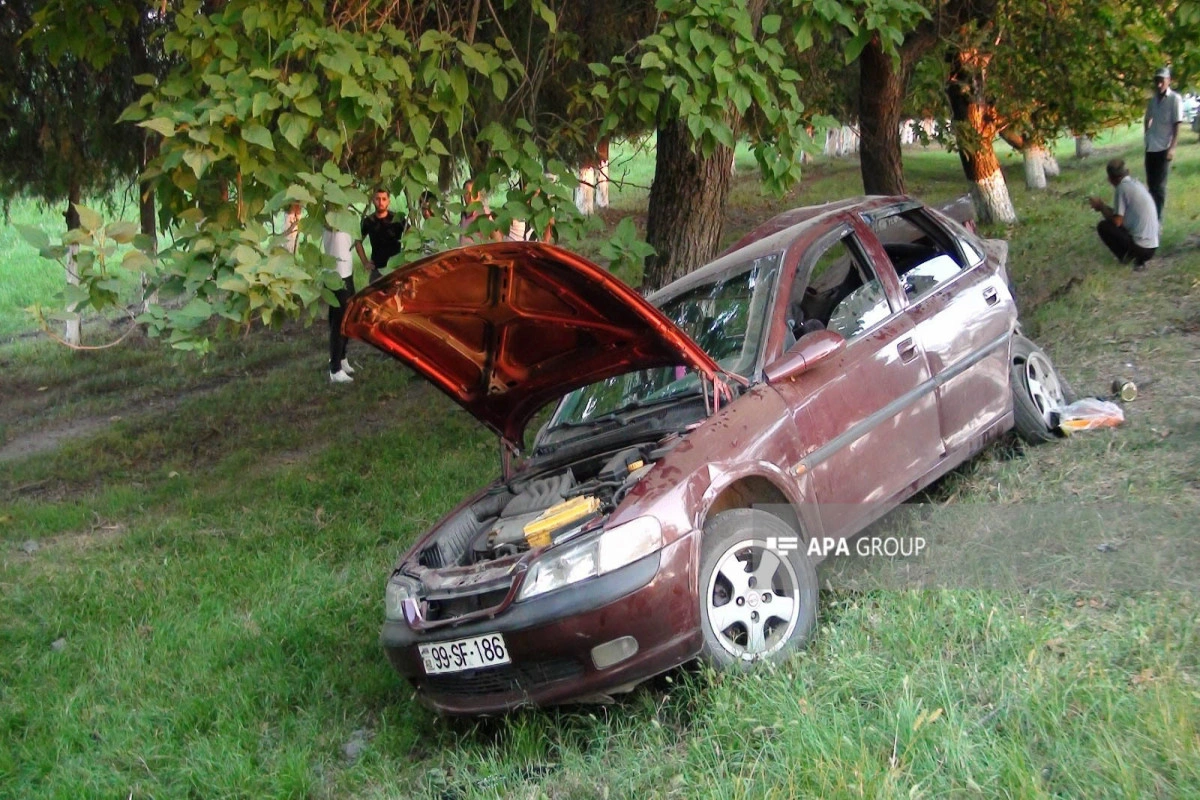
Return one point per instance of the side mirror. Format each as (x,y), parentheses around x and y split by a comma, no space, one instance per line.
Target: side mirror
(810,350)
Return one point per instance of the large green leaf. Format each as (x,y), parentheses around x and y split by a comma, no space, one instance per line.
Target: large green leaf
(160,125)
(257,134)
(35,236)
(89,220)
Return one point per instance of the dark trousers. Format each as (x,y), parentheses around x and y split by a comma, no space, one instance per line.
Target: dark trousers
(1157,167)
(1121,243)
(337,342)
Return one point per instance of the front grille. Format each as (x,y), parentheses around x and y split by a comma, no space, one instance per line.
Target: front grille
(461,605)
(503,679)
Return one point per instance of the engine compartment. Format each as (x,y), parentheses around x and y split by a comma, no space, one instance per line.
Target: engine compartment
(540,509)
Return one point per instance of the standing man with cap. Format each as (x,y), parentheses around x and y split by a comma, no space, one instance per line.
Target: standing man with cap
(1164,114)
(384,230)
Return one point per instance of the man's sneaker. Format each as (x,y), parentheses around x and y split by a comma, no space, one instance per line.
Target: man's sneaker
(346,368)
(1139,266)
(340,377)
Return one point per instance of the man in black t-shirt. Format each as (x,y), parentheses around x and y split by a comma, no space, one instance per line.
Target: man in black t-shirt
(383,229)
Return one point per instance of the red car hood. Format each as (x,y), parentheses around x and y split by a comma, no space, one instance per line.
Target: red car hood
(509,327)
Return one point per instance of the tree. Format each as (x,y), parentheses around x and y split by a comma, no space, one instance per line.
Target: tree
(62,88)
(712,72)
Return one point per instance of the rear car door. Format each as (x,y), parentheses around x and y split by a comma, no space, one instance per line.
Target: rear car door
(868,415)
(964,314)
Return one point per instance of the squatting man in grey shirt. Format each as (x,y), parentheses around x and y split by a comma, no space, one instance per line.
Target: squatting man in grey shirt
(1130,226)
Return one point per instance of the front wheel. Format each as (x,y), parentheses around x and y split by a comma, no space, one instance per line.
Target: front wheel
(1037,392)
(758,589)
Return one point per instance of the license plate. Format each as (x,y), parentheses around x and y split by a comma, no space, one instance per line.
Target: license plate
(477,651)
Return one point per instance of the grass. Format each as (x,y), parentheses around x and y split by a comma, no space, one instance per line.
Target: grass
(192,557)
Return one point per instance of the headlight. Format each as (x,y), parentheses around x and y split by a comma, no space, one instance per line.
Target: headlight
(612,549)
(393,599)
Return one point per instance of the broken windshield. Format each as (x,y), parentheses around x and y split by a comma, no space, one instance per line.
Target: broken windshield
(726,316)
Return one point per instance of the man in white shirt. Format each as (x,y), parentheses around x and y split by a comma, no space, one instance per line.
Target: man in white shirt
(1164,115)
(1130,226)
(338,244)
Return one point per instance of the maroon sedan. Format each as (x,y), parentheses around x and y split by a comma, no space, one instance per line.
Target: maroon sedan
(832,363)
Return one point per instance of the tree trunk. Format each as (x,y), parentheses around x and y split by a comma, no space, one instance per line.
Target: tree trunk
(146,216)
(881,100)
(602,174)
(1084,146)
(71,330)
(687,201)
(1050,164)
(975,127)
(585,192)
(1035,167)
(688,195)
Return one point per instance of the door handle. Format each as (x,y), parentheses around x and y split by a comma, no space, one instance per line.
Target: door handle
(907,350)
(991,296)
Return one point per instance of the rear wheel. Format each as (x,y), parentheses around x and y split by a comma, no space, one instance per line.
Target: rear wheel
(1037,392)
(758,589)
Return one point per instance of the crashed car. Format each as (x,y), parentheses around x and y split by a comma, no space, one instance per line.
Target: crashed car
(833,362)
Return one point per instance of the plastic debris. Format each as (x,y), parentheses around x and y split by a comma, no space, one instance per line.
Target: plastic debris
(1087,414)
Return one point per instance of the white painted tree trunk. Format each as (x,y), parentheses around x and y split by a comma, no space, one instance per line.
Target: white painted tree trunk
(1084,146)
(71,332)
(1050,164)
(585,193)
(841,141)
(602,185)
(992,201)
(1035,167)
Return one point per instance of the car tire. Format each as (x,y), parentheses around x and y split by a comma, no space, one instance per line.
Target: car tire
(1037,391)
(758,597)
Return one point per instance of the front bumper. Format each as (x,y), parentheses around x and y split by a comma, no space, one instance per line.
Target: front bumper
(550,639)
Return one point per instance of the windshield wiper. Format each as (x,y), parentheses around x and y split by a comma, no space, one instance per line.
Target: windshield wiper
(618,414)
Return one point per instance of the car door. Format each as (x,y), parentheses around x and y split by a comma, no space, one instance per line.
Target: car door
(867,417)
(964,315)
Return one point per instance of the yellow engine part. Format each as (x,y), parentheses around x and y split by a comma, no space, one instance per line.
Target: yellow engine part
(538,532)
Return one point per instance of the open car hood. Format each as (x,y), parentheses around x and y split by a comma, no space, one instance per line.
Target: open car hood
(506,328)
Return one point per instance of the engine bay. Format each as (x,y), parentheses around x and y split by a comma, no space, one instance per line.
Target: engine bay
(541,509)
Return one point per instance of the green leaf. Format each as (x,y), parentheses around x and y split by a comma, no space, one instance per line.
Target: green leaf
(499,85)
(352,88)
(420,127)
(473,58)
(35,236)
(89,220)
(122,231)
(803,37)
(343,220)
(245,254)
(856,45)
(257,134)
(294,128)
(195,311)
(547,15)
(770,24)
(260,104)
(299,193)
(145,79)
(309,105)
(652,61)
(136,261)
(160,125)
(198,160)
(330,140)
(458,82)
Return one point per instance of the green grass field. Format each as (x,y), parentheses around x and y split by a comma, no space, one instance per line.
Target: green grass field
(193,554)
